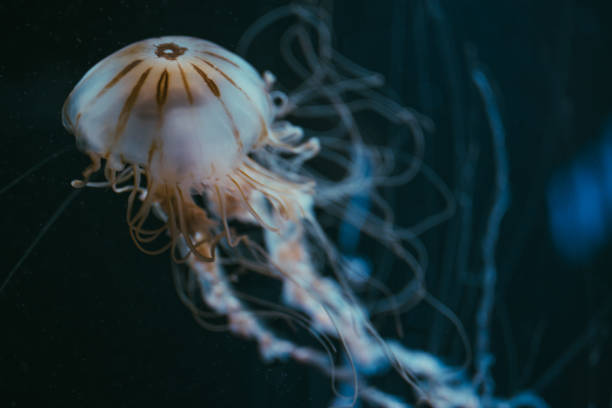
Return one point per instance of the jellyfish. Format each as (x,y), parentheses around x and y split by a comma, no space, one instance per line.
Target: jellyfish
(185,115)
(216,175)
(173,120)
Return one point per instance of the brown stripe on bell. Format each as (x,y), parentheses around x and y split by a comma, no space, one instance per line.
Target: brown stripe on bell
(162,89)
(211,84)
(129,104)
(185,83)
(221,57)
(118,77)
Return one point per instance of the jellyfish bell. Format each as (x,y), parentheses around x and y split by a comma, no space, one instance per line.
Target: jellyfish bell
(188,116)
(141,99)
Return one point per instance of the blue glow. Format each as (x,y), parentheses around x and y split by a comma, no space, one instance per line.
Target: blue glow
(580,202)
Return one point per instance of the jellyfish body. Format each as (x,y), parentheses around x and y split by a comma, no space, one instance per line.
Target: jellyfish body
(185,113)
(174,118)
(178,117)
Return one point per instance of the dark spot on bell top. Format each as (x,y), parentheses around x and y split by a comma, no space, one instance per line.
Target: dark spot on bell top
(169,51)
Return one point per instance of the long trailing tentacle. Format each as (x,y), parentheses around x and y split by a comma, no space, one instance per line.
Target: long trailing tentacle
(60,209)
(331,310)
(35,167)
(218,294)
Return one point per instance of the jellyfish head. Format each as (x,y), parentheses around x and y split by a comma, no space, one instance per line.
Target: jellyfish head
(176,116)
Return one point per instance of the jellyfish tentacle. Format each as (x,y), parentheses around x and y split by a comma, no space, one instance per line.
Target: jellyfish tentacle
(96,163)
(217,293)
(198,225)
(136,221)
(41,233)
(250,208)
(223,215)
(333,313)
(33,168)
(286,196)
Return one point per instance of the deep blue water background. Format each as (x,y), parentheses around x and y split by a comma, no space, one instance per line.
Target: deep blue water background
(90,321)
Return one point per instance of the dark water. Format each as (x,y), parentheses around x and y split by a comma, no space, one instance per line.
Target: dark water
(88,320)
